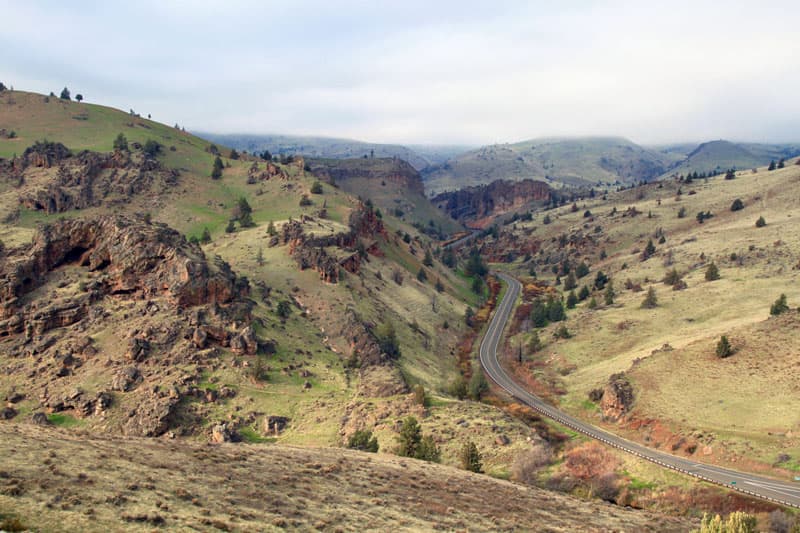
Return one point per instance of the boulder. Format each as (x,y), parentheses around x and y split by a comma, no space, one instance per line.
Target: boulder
(199,338)
(222,433)
(152,417)
(617,397)
(273,425)
(126,379)
(40,419)
(245,342)
(138,349)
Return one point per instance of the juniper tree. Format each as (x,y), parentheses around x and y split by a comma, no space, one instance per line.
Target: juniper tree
(470,457)
(712,272)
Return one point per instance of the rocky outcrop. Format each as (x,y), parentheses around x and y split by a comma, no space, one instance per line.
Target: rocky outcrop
(152,417)
(132,258)
(386,169)
(617,397)
(328,254)
(472,204)
(91,178)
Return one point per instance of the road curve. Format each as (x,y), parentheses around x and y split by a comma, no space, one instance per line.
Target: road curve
(782,492)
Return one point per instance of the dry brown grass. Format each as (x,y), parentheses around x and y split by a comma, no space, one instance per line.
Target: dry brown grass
(60,481)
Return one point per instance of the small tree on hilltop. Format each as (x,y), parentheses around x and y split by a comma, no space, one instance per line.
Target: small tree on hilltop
(780,306)
(284,309)
(650,300)
(737,205)
(470,457)
(79,98)
(771,165)
(65,94)
(363,440)
(724,347)
(781,163)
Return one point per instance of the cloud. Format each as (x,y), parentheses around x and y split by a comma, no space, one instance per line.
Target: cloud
(413,72)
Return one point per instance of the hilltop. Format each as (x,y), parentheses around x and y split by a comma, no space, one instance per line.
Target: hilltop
(558,161)
(419,156)
(595,162)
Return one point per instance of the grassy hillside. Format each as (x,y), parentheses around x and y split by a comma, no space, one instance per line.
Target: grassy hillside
(578,161)
(719,156)
(197,202)
(55,480)
(742,410)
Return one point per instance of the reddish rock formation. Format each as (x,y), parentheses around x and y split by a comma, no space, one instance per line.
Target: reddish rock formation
(130,258)
(617,397)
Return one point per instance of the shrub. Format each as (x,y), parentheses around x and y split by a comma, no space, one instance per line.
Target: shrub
(234,154)
(609,293)
(231,227)
(271,231)
(419,395)
(779,307)
(583,293)
(364,441)
(760,223)
(572,300)
(121,143)
(205,238)
(738,522)
(529,463)
(562,332)
(284,309)
(428,450)
(648,251)
(470,457)
(682,212)
(410,438)
(386,337)
(737,205)
(316,188)
(151,148)
(712,272)
(478,385)
(581,270)
(672,277)
(535,344)
(458,388)
(650,301)
(258,370)
(65,94)
(422,276)
(600,280)
(546,220)
(724,347)
(305,201)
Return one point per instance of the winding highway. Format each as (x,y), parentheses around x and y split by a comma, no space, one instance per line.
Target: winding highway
(777,491)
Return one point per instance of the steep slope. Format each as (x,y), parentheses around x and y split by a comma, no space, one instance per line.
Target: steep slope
(578,161)
(390,183)
(476,206)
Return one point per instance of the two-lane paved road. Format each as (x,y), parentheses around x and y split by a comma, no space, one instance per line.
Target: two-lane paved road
(783,492)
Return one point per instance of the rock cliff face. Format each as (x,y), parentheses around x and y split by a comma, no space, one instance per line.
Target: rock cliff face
(474,204)
(389,169)
(86,180)
(141,260)
(167,309)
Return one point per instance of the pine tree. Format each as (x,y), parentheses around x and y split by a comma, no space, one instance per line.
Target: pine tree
(470,457)
(760,223)
(781,163)
(260,257)
(771,165)
(569,282)
(231,227)
(205,238)
(724,347)
(572,300)
(581,270)
(65,94)
(428,261)
(121,143)
(609,293)
(216,171)
(422,276)
(779,307)
(271,231)
(712,272)
(583,293)
(410,438)
(650,301)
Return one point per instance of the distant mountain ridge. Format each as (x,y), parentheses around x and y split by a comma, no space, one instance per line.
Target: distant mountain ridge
(591,161)
(419,156)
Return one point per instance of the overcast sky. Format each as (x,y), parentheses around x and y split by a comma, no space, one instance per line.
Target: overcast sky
(423,71)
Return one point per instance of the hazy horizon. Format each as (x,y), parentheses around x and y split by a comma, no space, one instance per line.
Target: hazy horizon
(423,73)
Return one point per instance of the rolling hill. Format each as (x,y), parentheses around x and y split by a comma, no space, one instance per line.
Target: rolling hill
(419,156)
(719,156)
(558,161)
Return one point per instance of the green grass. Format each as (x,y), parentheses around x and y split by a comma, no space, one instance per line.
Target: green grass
(251,436)
(63,420)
